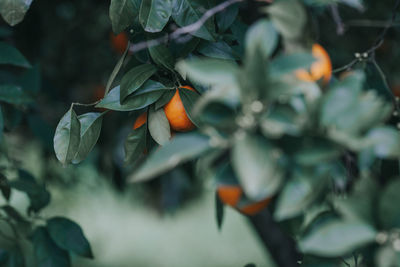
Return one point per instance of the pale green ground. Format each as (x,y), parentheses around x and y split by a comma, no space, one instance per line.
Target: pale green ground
(125,233)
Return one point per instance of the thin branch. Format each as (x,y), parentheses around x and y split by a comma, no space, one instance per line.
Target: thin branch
(392,20)
(87,105)
(337,19)
(191,28)
(383,77)
(370,53)
(345,262)
(370,23)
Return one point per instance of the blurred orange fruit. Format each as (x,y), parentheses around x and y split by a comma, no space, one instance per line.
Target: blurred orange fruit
(231,195)
(254,208)
(176,114)
(142,119)
(119,42)
(321,69)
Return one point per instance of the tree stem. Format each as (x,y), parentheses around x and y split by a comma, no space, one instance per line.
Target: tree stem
(281,247)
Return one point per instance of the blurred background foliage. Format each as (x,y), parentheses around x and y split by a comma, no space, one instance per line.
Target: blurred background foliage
(164,222)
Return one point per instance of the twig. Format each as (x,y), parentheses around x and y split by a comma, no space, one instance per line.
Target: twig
(355,260)
(337,19)
(191,28)
(345,262)
(370,23)
(370,53)
(383,77)
(281,247)
(86,105)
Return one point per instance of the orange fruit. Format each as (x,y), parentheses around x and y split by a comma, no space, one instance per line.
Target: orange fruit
(232,194)
(321,69)
(229,194)
(176,114)
(119,42)
(254,208)
(142,119)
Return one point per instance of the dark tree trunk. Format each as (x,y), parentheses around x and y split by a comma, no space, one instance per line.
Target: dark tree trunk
(281,247)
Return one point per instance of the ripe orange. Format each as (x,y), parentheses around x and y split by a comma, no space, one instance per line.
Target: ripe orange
(142,119)
(232,194)
(321,69)
(254,208)
(229,194)
(176,114)
(119,42)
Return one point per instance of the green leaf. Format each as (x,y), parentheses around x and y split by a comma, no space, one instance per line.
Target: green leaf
(255,162)
(358,4)
(122,13)
(162,56)
(186,12)
(67,137)
(297,195)
(1,125)
(348,109)
(180,149)
(47,253)
(5,187)
(282,120)
(41,129)
(183,49)
(68,235)
(189,99)
(337,238)
(239,30)
(289,17)
(14,214)
(254,77)
(208,71)
(154,14)
(286,64)
(164,99)
(389,213)
(4,256)
(135,78)
(159,126)
(385,141)
(90,132)
(14,95)
(227,17)
(149,94)
(220,50)
(386,256)
(151,86)
(135,143)
(316,151)
(263,37)
(13,11)
(10,55)
(30,80)
(38,195)
(15,258)
(361,203)
(116,69)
